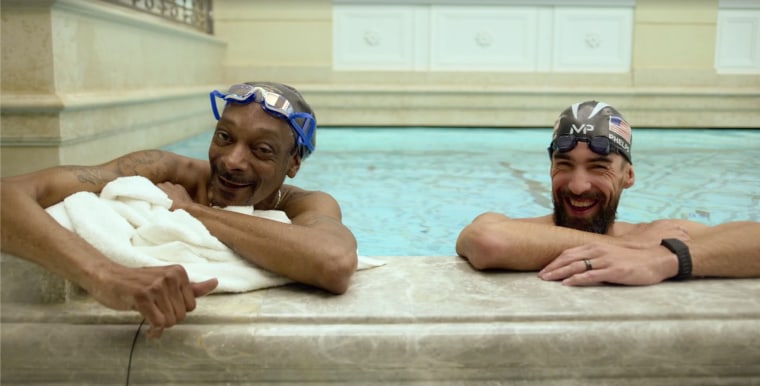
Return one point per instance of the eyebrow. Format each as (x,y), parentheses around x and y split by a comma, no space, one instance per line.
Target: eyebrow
(601,158)
(227,122)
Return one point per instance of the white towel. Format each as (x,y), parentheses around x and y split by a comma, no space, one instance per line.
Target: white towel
(130,222)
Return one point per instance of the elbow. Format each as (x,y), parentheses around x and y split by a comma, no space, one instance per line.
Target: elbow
(483,247)
(335,273)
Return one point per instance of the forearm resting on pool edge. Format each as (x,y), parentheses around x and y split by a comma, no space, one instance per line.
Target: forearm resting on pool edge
(519,245)
(727,250)
(30,233)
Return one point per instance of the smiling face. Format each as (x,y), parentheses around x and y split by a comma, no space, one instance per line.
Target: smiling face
(250,155)
(586,188)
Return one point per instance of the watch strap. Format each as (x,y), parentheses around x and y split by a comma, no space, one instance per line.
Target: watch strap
(684,257)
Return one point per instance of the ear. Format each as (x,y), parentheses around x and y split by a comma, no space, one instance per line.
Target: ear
(293,165)
(628,176)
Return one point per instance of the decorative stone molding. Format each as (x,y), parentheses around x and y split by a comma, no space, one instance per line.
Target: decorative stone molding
(570,3)
(491,37)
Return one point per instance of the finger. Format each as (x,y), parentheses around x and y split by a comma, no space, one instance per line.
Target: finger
(164,304)
(174,291)
(572,268)
(599,273)
(552,272)
(560,261)
(158,320)
(587,278)
(177,300)
(163,186)
(150,312)
(565,258)
(204,287)
(194,290)
(188,295)
(154,332)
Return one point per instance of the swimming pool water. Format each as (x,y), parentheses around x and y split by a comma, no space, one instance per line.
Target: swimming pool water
(409,191)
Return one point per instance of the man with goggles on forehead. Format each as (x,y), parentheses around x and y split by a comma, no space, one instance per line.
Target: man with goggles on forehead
(302,122)
(581,243)
(264,130)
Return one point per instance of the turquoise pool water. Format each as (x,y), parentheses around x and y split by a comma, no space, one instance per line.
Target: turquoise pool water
(409,191)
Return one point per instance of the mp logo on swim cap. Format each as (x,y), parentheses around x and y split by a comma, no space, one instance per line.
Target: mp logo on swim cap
(583,129)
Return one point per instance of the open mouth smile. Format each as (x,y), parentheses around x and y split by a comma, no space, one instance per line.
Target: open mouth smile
(580,206)
(233,185)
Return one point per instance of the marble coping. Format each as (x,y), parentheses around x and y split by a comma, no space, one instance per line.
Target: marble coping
(422,320)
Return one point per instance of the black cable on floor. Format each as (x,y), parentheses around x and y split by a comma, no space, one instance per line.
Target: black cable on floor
(132,349)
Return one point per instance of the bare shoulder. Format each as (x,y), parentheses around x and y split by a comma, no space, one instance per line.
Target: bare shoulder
(622,228)
(298,202)
(546,220)
(494,217)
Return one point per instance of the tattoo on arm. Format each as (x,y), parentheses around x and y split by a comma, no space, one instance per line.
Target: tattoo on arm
(139,163)
(145,163)
(88,175)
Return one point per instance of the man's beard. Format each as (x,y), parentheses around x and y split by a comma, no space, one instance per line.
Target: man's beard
(599,223)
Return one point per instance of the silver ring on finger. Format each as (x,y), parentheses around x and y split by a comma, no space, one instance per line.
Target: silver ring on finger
(587,262)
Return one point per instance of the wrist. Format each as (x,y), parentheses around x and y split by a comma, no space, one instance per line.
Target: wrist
(96,272)
(681,250)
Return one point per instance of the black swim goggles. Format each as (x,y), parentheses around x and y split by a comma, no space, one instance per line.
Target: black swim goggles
(275,105)
(565,143)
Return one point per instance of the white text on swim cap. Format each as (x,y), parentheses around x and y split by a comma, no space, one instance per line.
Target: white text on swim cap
(620,142)
(585,128)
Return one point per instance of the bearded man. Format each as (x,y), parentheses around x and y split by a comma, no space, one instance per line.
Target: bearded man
(581,243)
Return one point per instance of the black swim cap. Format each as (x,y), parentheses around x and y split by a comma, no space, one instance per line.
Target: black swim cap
(585,121)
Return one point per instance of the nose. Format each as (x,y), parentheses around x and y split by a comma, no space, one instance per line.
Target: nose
(236,159)
(579,182)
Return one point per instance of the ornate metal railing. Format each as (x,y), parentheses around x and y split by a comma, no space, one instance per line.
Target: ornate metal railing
(195,13)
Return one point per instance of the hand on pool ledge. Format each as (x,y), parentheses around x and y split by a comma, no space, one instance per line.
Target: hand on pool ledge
(162,295)
(581,243)
(599,263)
(262,137)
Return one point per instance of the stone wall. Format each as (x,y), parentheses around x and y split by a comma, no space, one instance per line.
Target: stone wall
(669,76)
(85,81)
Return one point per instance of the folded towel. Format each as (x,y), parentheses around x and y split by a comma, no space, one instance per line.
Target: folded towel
(130,222)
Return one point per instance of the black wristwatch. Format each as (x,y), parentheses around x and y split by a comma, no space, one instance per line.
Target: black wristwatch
(684,258)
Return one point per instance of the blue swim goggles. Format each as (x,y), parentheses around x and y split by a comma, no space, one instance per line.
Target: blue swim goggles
(274,104)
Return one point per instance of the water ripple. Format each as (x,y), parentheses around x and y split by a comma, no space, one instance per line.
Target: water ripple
(409,191)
